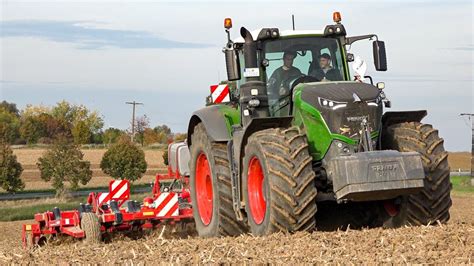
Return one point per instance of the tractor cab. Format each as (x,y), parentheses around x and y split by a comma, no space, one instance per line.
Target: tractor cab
(281,60)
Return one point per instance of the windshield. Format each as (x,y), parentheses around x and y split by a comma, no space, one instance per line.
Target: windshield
(317,57)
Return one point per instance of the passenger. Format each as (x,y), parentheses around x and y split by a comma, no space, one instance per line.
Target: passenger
(279,81)
(326,72)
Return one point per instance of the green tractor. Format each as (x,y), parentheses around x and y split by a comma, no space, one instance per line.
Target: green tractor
(299,132)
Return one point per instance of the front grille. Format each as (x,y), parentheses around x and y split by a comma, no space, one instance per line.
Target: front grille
(347,120)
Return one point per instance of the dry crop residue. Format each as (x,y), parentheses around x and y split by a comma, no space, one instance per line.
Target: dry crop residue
(452,243)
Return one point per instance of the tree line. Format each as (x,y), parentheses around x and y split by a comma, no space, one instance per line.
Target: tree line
(65,126)
(38,124)
(64,166)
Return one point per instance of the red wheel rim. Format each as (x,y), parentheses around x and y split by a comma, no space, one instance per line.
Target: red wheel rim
(204,189)
(256,197)
(391,208)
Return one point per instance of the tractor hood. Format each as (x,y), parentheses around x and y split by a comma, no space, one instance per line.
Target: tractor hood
(342,92)
(344,105)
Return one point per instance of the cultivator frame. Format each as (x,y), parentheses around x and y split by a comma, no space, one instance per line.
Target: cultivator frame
(170,204)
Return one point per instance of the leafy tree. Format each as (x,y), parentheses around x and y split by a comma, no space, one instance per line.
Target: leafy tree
(9,125)
(124,160)
(112,135)
(98,138)
(32,129)
(141,123)
(64,163)
(79,118)
(150,136)
(55,128)
(10,169)
(10,107)
(34,110)
(163,128)
(180,137)
(64,111)
(81,133)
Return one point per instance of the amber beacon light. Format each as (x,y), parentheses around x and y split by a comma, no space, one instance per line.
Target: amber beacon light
(336,16)
(227,23)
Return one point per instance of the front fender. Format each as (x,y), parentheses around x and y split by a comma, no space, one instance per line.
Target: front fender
(391,118)
(217,120)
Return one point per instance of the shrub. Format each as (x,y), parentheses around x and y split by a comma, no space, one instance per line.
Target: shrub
(63,163)
(124,160)
(10,169)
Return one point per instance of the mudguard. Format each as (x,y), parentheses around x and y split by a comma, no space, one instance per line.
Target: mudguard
(214,121)
(391,118)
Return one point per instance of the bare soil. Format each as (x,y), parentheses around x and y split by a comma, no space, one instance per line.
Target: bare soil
(452,243)
(460,161)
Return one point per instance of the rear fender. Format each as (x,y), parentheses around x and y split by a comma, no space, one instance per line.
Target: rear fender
(214,121)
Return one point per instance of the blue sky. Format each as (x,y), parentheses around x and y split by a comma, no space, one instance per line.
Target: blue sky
(103,53)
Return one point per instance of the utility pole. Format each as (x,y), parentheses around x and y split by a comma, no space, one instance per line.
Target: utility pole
(133,117)
(470,117)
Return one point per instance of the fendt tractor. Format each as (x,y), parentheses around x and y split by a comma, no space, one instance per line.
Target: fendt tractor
(299,131)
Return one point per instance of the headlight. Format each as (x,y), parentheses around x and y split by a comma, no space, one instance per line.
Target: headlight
(331,104)
(254,102)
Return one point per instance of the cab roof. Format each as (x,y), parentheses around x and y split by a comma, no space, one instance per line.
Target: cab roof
(283,33)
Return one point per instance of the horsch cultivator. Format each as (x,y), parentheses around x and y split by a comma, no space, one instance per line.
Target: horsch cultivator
(113,211)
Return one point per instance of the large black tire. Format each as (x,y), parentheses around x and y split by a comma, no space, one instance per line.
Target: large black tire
(91,226)
(286,198)
(223,221)
(433,202)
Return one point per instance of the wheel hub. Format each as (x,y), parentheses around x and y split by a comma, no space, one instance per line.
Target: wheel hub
(255,190)
(204,192)
(391,208)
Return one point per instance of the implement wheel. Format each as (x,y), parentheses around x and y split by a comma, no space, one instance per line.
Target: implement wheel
(433,202)
(91,226)
(278,182)
(211,191)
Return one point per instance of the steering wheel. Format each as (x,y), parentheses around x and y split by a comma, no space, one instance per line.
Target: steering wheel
(284,100)
(303,79)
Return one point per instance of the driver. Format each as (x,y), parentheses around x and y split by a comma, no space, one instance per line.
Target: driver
(278,82)
(326,72)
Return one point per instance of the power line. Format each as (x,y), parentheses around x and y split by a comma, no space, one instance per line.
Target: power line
(133,117)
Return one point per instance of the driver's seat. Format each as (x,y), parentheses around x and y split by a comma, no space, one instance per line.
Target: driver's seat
(313,66)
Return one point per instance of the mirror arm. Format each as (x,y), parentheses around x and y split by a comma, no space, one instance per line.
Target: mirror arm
(353,39)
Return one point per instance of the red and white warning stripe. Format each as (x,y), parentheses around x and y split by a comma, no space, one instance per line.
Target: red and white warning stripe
(167,204)
(119,190)
(102,197)
(220,93)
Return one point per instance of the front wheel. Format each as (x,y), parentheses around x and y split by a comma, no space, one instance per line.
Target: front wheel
(278,182)
(433,202)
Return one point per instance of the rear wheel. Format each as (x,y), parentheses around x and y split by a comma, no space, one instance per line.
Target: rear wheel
(211,191)
(278,182)
(433,202)
(91,226)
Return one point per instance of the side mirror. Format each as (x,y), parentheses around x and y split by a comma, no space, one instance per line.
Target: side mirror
(232,64)
(380,58)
